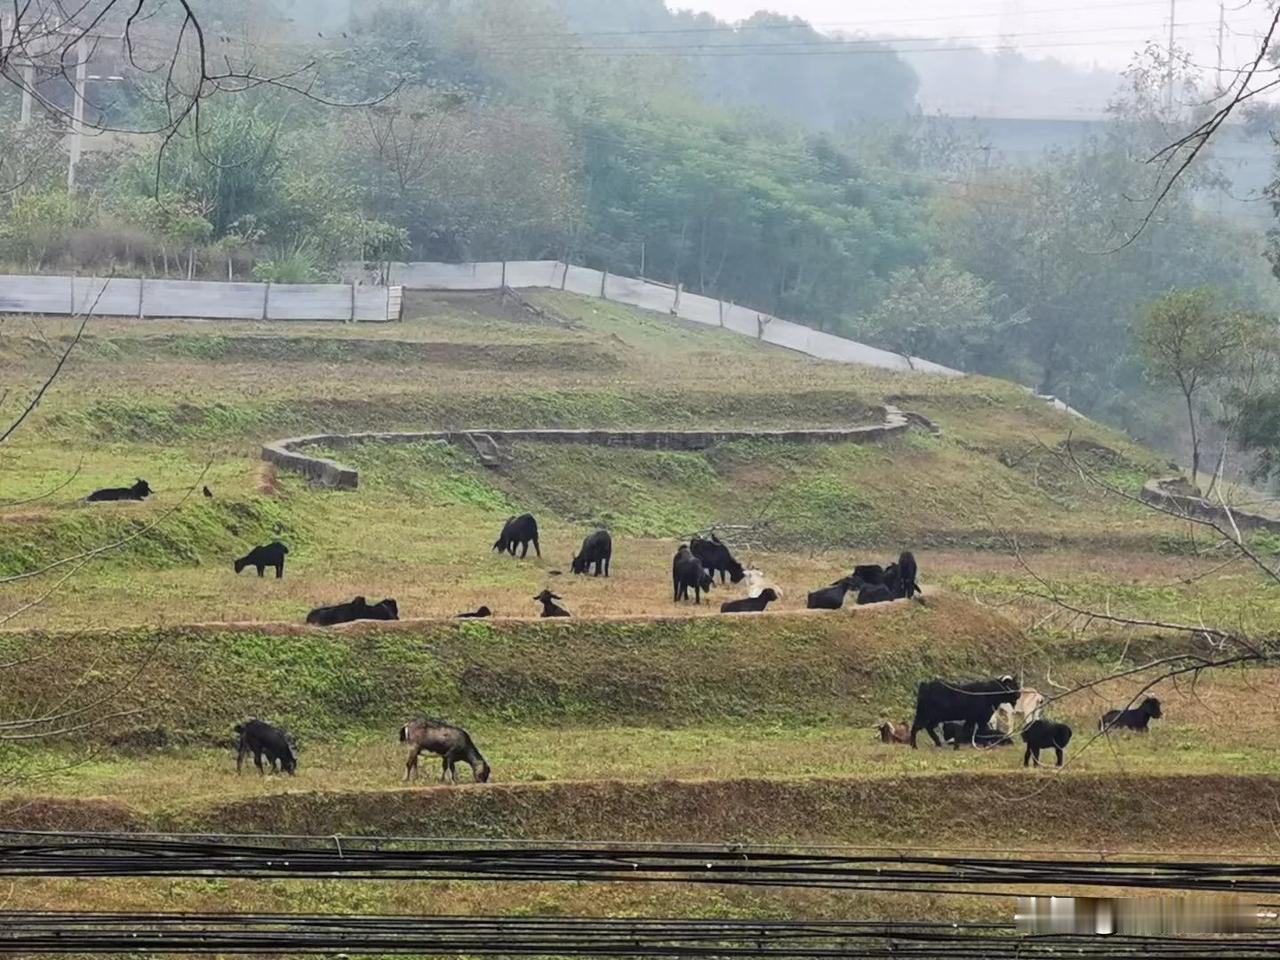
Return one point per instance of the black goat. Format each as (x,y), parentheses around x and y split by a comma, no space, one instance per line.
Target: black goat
(519,532)
(1136,719)
(478,614)
(973,703)
(270,555)
(139,491)
(874,593)
(953,732)
(868,573)
(597,549)
(261,738)
(208,493)
(357,609)
(716,558)
(448,742)
(1041,735)
(687,572)
(832,597)
(549,608)
(750,604)
(907,572)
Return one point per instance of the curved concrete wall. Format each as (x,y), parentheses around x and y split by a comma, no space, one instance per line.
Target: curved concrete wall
(1162,493)
(287,454)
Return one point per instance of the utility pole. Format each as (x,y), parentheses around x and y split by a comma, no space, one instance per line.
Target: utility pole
(77,112)
(1168,70)
(1222,23)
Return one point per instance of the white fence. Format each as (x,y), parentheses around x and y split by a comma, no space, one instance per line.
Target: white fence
(198,299)
(652,296)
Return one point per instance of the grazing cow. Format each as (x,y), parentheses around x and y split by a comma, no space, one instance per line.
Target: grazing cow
(261,738)
(448,742)
(716,558)
(1030,704)
(907,571)
(894,733)
(871,573)
(357,609)
(750,604)
(688,572)
(478,614)
(549,608)
(139,491)
(874,593)
(832,597)
(519,532)
(974,703)
(954,732)
(1041,735)
(271,555)
(597,548)
(1135,719)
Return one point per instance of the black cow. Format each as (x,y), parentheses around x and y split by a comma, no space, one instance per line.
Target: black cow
(270,555)
(549,608)
(1135,719)
(874,593)
(716,558)
(688,572)
(357,609)
(973,703)
(261,738)
(751,604)
(519,532)
(869,573)
(139,491)
(832,597)
(1041,735)
(596,550)
(907,572)
(478,614)
(953,732)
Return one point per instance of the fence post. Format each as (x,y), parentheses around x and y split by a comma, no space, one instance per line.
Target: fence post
(353,301)
(564,276)
(604,276)
(266,301)
(142,282)
(675,307)
(502,284)
(387,309)
(720,307)
(72,311)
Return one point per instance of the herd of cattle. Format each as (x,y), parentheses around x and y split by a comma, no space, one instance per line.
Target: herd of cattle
(965,712)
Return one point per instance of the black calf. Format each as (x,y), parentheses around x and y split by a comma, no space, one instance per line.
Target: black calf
(687,572)
(874,593)
(1136,719)
(261,738)
(716,558)
(478,614)
(139,491)
(832,597)
(549,608)
(750,604)
(357,609)
(596,550)
(1041,735)
(271,555)
(518,532)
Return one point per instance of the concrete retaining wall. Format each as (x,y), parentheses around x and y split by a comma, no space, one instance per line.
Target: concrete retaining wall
(1162,493)
(287,454)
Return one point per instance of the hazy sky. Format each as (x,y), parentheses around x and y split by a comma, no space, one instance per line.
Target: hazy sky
(1089,32)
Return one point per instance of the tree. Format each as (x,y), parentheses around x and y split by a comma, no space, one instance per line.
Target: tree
(1188,339)
(931,311)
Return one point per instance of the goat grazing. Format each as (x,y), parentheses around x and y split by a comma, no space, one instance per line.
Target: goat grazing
(549,608)
(688,572)
(448,742)
(597,549)
(518,532)
(139,491)
(270,555)
(261,738)
(716,558)
(1136,719)
(750,604)
(1043,734)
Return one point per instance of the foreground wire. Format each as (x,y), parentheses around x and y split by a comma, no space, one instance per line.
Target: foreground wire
(119,855)
(69,933)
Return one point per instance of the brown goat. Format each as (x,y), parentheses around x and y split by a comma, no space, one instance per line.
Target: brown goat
(894,732)
(448,742)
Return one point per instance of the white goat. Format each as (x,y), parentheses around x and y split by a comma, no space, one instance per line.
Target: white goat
(756,583)
(1029,706)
